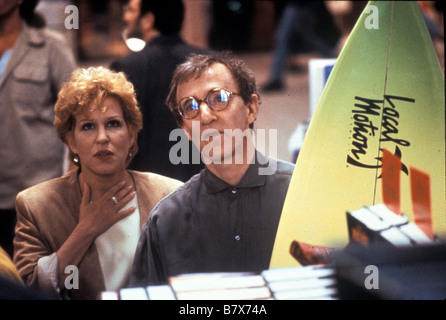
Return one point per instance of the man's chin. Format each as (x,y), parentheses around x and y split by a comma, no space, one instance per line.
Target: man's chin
(229,157)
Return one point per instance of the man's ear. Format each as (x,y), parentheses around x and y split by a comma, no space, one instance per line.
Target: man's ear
(253,108)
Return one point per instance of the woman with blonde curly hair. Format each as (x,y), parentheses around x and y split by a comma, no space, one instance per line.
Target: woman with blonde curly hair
(76,235)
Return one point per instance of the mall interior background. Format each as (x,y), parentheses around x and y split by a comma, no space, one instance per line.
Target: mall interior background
(249,30)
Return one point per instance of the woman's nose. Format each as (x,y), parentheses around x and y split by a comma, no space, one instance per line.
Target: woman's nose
(102,136)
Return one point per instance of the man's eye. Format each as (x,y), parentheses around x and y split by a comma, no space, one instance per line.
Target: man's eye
(191,105)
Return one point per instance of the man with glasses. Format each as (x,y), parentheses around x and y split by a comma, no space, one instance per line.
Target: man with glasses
(225,218)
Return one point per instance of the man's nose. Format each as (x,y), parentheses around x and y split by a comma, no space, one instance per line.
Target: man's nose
(207,115)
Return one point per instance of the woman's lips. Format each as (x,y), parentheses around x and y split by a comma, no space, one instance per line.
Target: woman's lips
(103,154)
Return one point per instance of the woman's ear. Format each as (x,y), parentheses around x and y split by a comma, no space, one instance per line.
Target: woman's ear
(132,137)
(71,142)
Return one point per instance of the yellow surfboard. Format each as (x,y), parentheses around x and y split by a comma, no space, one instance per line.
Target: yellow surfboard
(385,91)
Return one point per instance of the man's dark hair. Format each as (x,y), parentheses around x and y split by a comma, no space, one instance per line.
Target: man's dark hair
(197,64)
(169,14)
(31,18)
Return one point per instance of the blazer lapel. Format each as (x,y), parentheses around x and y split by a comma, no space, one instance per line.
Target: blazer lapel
(144,203)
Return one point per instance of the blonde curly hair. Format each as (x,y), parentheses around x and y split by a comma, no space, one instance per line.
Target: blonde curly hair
(88,88)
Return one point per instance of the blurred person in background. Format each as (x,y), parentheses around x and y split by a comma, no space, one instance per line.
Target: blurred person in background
(150,70)
(303,26)
(91,217)
(34,62)
(137,30)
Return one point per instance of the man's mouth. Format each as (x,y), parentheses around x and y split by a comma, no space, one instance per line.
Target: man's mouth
(211,134)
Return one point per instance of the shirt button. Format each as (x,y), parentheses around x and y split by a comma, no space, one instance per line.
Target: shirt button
(237,237)
(234,190)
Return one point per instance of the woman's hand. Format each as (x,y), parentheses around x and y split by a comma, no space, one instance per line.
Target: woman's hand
(94,219)
(105,212)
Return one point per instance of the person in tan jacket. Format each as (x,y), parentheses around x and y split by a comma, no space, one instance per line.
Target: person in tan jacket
(76,235)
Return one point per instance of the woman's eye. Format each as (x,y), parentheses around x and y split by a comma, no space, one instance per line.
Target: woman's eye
(114,124)
(87,126)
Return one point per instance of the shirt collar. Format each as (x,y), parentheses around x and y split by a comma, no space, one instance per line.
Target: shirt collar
(34,36)
(252,178)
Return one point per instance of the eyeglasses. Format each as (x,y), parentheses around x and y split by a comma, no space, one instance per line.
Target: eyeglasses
(216,99)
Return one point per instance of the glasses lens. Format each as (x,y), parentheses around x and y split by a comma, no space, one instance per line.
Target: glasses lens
(218,100)
(189,107)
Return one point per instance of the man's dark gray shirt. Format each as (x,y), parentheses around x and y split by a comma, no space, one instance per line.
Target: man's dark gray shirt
(207,225)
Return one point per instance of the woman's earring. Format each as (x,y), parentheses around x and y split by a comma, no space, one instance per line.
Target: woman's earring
(76,159)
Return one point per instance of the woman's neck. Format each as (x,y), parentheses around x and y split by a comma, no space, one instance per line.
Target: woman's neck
(101,184)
